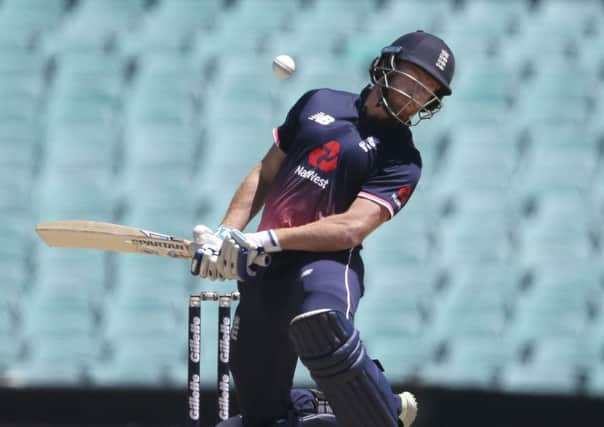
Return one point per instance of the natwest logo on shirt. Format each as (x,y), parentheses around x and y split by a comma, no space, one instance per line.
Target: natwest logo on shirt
(312,176)
(325,158)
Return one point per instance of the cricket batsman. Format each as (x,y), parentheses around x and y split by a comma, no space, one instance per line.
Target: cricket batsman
(341,165)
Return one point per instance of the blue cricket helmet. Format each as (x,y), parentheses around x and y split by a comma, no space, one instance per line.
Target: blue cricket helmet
(427,52)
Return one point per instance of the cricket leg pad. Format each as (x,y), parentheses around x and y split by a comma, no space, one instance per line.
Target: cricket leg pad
(331,349)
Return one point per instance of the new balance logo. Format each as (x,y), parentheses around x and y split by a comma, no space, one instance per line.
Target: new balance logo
(322,118)
(442,60)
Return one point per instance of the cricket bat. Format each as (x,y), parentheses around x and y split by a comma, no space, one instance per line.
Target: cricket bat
(106,236)
(111,237)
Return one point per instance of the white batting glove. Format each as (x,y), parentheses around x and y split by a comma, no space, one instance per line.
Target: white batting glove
(206,246)
(242,253)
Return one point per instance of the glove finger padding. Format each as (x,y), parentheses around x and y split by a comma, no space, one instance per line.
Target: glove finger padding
(196,262)
(212,267)
(204,270)
(232,257)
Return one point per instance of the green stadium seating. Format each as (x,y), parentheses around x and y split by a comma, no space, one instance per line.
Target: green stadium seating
(410,355)
(543,312)
(161,146)
(138,316)
(502,17)
(161,279)
(17,148)
(469,362)
(170,25)
(409,15)
(91,25)
(150,113)
(580,17)
(486,166)
(81,145)
(31,17)
(141,361)
(539,380)
(258,18)
(14,255)
(595,382)
(553,149)
(49,363)
(481,315)
(21,69)
(551,365)
(87,276)
(549,234)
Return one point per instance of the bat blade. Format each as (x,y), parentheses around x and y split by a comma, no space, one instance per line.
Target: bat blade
(111,237)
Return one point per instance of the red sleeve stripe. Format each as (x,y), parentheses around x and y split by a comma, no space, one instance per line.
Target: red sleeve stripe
(377,200)
(276,137)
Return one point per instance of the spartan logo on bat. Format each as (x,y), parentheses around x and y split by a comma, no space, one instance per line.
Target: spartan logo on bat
(325,158)
(160,244)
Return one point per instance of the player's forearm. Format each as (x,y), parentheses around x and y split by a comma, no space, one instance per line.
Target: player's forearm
(247,201)
(332,233)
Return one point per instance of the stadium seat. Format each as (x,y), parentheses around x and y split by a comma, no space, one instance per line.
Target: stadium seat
(164,90)
(408,15)
(462,242)
(158,279)
(170,25)
(259,18)
(595,381)
(476,309)
(81,272)
(15,186)
(552,149)
(469,362)
(7,318)
(32,16)
(564,45)
(554,379)
(17,234)
(141,361)
(548,234)
(501,17)
(480,167)
(92,25)
(412,244)
(10,349)
(397,287)
(61,309)
(401,357)
(543,313)
(80,145)
(66,111)
(56,361)
(74,193)
(551,366)
(89,78)
(151,145)
(578,17)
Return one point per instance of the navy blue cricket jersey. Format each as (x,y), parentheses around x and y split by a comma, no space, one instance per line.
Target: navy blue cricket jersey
(332,158)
